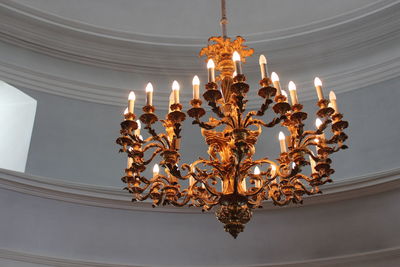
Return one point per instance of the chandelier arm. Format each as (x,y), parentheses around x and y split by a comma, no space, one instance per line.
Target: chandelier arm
(206,125)
(155,153)
(283,202)
(216,109)
(264,107)
(154,135)
(152,145)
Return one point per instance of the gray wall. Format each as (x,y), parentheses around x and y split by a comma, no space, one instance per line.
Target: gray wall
(74,140)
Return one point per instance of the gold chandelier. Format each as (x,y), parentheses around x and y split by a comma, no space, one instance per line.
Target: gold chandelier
(230,179)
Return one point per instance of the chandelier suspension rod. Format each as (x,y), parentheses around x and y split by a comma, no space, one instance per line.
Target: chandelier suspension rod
(224,19)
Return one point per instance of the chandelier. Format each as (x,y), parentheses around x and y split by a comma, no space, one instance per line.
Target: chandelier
(230,180)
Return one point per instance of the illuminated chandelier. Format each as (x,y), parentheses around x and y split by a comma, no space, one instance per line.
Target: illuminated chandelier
(230,179)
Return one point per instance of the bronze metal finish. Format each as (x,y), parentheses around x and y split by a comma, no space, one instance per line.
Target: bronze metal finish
(231,135)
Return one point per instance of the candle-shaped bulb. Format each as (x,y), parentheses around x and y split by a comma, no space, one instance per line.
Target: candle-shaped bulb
(235,73)
(132,96)
(196,80)
(211,70)
(284,93)
(149,94)
(238,64)
(131,101)
(293,93)
(257,171)
(317,82)
(263,66)
(318,123)
(126,111)
(210,64)
(292,86)
(274,77)
(275,81)
(196,86)
(149,88)
(273,170)
(282,142)
(318,87)
(281,136)
(332,99)
(175,90)
(332,95)
(175,86)
(262,60)
(293,165)
(156,170)
(236,56)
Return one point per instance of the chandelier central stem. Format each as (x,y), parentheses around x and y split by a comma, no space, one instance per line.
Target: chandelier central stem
(224,19)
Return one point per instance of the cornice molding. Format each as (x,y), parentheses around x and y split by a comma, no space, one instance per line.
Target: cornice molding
(87,44)
(354,258)
(343,81)
(112,197)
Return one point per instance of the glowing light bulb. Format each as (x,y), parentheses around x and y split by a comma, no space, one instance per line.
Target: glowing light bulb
(196,87)
(332,99)
(132,96)
(262,60)
(149,88)
(236,56)
(292,85)
(318,123)
(196,80)
(318,87)
(284,93)
(131,102)
(149,94)
(293,165)
(257,171)
(293,93)
(332,95)
(234,73)
(317,82)
(282,136)
(126,111)
(211,71)
(156,170)
(175,86)
(175,89)
(210,64)
(274,77)
(282,142)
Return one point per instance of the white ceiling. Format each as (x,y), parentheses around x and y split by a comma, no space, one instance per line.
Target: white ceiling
(196,18)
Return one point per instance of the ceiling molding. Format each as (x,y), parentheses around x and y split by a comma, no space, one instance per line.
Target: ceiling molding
(112,197)
(87,44)
(354,258)
(35,79)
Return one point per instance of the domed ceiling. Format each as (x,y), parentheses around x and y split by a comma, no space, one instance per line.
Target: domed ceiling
(196,18)
(122,44)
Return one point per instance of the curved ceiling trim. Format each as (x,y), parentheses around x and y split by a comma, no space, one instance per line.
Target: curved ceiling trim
(343,81)
(112,197)
(22,26)
(354,258)
(167,40)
